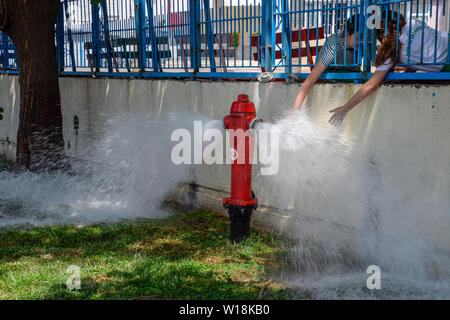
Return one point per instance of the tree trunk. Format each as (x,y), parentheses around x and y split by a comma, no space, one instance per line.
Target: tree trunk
(31,26)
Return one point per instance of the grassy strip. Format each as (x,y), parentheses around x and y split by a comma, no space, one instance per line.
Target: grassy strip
(186,256)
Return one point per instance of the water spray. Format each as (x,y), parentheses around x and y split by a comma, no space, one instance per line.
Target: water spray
(242,201)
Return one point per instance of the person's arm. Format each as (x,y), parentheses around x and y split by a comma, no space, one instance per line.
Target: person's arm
(306,86)
(404,69)
(366,89)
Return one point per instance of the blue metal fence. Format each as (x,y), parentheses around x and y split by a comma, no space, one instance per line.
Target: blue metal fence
(220,38)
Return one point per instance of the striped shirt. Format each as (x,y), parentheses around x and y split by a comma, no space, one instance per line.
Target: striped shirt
(334,48)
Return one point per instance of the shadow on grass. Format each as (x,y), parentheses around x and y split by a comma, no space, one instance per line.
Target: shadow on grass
(158,280)
(187,256)
(175,237)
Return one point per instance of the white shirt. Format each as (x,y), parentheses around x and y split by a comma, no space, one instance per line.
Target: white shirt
(416,46)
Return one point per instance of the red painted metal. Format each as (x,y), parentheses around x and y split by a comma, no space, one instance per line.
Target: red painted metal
(242,113)
(298,36)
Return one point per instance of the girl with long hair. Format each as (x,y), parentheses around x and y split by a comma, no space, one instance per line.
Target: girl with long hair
(418,44)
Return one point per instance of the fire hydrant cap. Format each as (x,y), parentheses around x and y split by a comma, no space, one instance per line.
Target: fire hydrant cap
(243,104)
(243,98)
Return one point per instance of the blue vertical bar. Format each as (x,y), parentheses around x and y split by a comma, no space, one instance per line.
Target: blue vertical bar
(366,46)
(266,39)
(273,43)
(5,47)
(156,63)
(195,38)
(287,37)
(436,31)
(140,34)
(361,29)
(107,38)
(398,33)
(16,59)
(69,36)
(423,33)
(60,37)
(96,44)
(209,35)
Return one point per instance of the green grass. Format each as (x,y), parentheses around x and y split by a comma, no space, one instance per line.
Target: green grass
(185,256)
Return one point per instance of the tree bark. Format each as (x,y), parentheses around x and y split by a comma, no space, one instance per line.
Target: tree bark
(31,26)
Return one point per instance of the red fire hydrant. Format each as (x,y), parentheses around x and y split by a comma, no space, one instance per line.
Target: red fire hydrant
(242,201)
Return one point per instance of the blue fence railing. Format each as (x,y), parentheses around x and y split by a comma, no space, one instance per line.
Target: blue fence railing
(230,38)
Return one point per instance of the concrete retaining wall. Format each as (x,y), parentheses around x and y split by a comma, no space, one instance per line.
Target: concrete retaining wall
(393,122)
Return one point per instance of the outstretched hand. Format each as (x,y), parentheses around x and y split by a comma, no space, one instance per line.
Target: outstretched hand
(293,114)
(338,116)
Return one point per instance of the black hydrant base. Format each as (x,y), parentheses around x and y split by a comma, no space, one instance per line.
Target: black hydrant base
(240,217)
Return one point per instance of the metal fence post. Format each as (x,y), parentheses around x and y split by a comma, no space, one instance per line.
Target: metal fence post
(140,34)
(69,36)
(156,62)
(361,31)
(96,43)
(366,44)
(287,41)
(60,37)
(195,38)
(267,33)
(16,59)
(107,38)
(5,49)
(209,35)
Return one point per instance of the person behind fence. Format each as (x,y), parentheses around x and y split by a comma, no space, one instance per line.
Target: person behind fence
(418,44)
(333,52)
